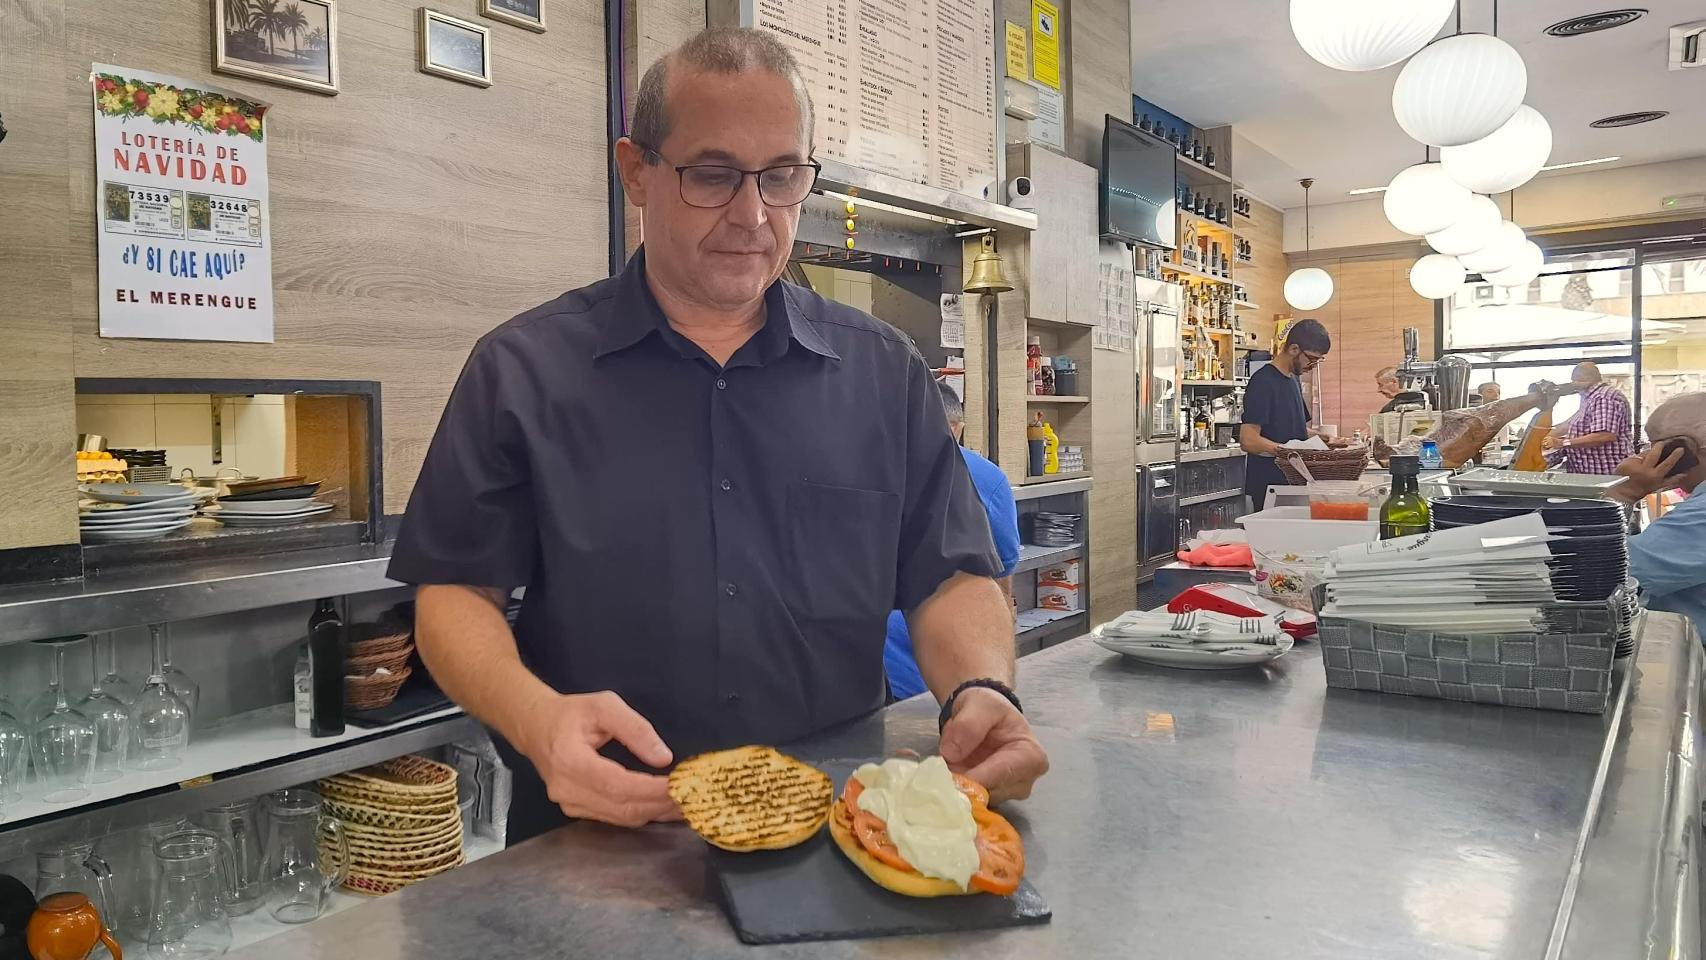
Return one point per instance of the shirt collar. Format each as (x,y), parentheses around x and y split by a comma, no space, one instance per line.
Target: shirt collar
(635,313)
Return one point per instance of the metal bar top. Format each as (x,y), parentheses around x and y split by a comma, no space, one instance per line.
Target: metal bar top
(1249,814)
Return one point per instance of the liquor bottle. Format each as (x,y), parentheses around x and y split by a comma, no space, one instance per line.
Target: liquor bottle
(1220,212)
(1405,512)
(1145,125)
(326,670)
(1196,150)
(1208,157)
(1177,141)
(1199,204)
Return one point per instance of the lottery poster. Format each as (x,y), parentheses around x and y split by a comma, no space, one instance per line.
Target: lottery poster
(181,208)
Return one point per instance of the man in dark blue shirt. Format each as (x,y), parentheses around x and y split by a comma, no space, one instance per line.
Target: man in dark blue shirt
(1274,409)
(714,485)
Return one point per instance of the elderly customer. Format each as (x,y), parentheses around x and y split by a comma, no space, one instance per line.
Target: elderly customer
(1667,558)
(1601,434)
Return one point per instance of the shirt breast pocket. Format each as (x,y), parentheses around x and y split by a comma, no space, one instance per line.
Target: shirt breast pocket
(844,545)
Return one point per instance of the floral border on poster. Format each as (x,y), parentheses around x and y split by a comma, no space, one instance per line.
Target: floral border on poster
(117,96)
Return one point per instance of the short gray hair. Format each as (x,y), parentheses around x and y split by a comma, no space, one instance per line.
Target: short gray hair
(951,403)
(1386,373)
(721,50)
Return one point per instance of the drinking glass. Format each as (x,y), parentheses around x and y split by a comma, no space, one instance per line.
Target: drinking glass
(298,882)
(75,868)
(107,677)
(62,739)
(14,756)
(110,713)
(180,682)
(160,719)
(238,826)
(189,920)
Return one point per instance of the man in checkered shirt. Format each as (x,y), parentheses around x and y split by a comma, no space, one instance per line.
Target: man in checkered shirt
(1601,434)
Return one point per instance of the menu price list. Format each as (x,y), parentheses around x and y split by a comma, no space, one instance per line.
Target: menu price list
(900,88)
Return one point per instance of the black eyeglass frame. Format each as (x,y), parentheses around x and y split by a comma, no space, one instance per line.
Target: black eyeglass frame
(757,175)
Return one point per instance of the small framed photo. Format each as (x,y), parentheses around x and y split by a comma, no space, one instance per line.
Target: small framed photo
(455,48)
(294,43)
(528,14)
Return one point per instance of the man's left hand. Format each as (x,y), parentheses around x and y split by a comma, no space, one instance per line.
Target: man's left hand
(1552,442)
(991,742)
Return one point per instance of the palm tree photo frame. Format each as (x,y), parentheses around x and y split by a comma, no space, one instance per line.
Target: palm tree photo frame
(293,42)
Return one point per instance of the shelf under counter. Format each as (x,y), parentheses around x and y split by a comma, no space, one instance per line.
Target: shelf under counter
(1219,453)
(1033,557)
(1036,487)
(1209,497)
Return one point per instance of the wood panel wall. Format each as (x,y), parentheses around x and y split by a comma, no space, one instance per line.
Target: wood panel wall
(410,214)
(1264,280)
(1372,304)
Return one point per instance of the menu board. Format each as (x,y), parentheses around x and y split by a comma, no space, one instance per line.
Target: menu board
(901,87)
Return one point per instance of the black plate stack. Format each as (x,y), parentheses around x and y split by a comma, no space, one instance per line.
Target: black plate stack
(146,466)
(1591,561)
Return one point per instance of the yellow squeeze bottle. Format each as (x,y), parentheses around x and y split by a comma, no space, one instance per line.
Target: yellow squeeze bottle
(1051,449)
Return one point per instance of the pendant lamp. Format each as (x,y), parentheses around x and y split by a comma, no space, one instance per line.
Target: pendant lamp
(1522,271)
(1505,159)
(1437,276)
(1459,89)
(1472,231)
(1421,199)
(1499,253)
(1366,34)
(1311,287)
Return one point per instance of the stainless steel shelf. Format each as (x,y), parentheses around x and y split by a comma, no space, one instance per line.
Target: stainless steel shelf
(1055,631)
(1033,557)
(845,178)
(1220,453)
(160,593)
(1054,488)
(1209,497)
(135,810)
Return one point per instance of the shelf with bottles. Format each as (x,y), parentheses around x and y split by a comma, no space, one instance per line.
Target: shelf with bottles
(1241,207)
(1193,274)
(1204,210)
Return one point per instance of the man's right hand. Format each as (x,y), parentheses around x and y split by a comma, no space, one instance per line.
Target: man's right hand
(563,741)
(1648,472)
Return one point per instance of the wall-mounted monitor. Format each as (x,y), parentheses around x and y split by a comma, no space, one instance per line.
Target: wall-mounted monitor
(1138,188)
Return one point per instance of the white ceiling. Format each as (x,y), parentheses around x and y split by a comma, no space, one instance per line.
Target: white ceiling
(1236,61)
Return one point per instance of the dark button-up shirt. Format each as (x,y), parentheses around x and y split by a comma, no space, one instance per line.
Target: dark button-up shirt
(718,545)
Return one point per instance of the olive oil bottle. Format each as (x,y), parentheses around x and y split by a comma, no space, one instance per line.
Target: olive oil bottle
(1405,512)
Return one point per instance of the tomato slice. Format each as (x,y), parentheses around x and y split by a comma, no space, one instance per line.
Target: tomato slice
(874,837)
(850,794)
(973,791)
(1000,853)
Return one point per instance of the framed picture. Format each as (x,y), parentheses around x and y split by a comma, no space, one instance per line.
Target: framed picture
(529,14)
(455,48)
(293,42)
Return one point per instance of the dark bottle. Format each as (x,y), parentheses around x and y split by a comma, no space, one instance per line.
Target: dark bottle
(1145,125)
(1208,157)
(1177,142)
(1405,512)
(326,670)
(1199,205)
(1196,151)
(1220,212)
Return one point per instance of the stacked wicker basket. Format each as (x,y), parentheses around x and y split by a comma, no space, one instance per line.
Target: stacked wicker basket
(376,664)
(402,821)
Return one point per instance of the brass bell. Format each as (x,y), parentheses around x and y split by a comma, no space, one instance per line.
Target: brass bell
(986,273)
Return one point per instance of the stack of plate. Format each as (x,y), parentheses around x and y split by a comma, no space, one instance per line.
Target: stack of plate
(282,502)
(113,512)
(402,821)
(1589,562)
(1050,529)
(146,466)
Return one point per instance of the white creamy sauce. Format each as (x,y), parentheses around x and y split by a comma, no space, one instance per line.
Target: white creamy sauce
(928,818)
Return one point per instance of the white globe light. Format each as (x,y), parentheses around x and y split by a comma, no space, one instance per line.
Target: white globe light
(1471,232)
(1309,288)
(1499,253)
(1422,199)
(1522,270)
(1366,34)
(1505,159)
(1437,276)
(1459,89)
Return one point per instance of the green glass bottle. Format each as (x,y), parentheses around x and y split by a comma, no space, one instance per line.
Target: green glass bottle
(1405,512)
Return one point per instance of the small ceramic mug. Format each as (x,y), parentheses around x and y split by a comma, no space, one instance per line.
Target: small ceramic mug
(66,926)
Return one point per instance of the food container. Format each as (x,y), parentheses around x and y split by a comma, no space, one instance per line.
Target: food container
(1288,531)
(1341,500)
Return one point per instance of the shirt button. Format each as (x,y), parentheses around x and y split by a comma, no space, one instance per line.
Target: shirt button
(731,589)
(727,485)
(722,384)
(731,699)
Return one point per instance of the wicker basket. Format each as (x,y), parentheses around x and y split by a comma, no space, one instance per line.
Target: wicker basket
(379,818)
(1346,464)
(377,883)
(407,777)
(365,665)
(373,639)
(375,691)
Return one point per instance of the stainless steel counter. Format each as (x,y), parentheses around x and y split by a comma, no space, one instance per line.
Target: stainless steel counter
(1240,815)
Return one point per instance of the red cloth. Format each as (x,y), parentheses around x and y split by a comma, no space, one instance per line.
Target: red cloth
(1219,555)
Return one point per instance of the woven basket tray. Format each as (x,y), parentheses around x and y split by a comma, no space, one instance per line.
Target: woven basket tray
(373,639)
(365,665)
(379,883)
(404,778)
(1346,464)
(373,692)
(366,815)
(364,856)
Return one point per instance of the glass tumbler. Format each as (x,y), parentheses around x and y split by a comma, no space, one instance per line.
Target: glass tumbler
(14,756)
(62,739)
(109,711)
(159,718)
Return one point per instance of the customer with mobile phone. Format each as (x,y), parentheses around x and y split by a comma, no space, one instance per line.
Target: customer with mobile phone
(1666,558)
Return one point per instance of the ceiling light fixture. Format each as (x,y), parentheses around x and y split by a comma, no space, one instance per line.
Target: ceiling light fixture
(1595,22)
(1629,119)
(1579,163)
(1523,269)
(1422,199)
(1472,231)
(1358,35)
(1499,253)
(1505,159)
(1361,191)
(1459,89)
(1437,276)
(1311,287)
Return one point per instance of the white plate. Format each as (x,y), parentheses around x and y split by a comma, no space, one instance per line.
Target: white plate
(105,535)
(141,520)
(271,519)
(95,508)
(1185,659)
(136,492)
(257,507)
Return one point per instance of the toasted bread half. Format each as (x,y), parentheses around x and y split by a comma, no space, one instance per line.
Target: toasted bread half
(751,798)
(907,883)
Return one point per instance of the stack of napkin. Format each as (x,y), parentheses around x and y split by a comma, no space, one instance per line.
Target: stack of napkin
(1488,578)
(1202,630)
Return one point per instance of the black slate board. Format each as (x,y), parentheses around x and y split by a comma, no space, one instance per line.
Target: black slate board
(812,892)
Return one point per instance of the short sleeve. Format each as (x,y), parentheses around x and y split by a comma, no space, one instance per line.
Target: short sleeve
(1664,558)
(1259,401)
(943,528)
(470,518)
(998,506)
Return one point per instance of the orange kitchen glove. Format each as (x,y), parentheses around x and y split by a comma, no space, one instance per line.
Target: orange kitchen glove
(1219,555)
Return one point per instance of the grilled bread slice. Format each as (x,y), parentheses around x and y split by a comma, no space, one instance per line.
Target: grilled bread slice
(751,798)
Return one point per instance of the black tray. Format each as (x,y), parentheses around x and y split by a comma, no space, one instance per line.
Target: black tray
(282,493)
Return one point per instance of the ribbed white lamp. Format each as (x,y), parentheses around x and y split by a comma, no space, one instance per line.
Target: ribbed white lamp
(1311,287)
(1366,34)
(1522,271)
(1499,253)
(1505,159)
(1459,89)
(1421,199)
(1472,231)
(1437,276)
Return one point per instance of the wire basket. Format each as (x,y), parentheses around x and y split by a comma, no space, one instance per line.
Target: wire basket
(1344,464)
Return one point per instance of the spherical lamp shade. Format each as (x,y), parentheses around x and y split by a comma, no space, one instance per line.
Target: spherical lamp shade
(1309,288)
(1505,159)
(1459,89)
(1437,276)
(1471,232)
(1422,199)
(1522,270)
(1366,34)
(1499,253)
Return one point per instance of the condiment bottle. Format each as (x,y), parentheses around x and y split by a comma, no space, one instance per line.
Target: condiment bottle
(1405,511)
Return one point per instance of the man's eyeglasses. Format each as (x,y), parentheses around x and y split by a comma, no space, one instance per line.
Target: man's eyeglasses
(712,185)
(1311,359)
